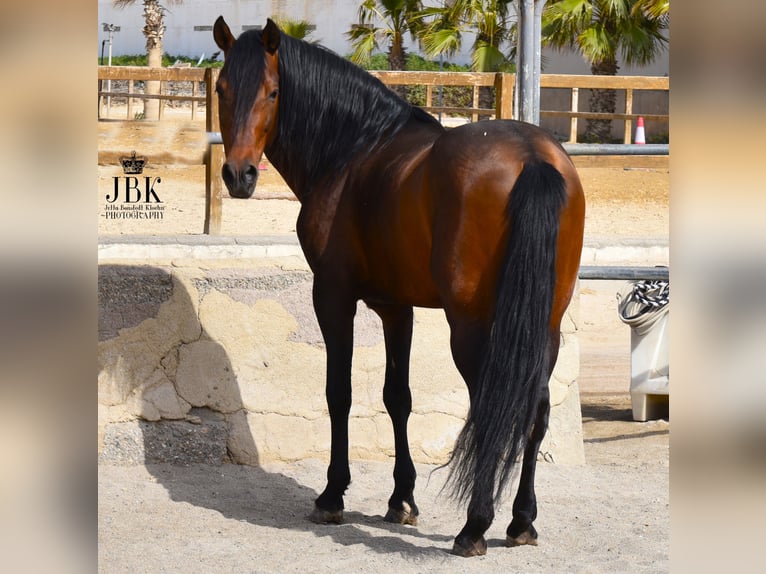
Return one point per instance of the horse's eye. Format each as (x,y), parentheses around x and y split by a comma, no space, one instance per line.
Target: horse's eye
(273,95)
(219,90)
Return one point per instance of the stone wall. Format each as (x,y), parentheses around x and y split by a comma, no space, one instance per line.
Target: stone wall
(209,361)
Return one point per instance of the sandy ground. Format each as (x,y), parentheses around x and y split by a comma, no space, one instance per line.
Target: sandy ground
(610,515)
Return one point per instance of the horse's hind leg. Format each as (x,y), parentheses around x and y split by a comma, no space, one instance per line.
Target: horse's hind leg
(470,540)
(397,327)
(335,314)
(467,341)
(521,531)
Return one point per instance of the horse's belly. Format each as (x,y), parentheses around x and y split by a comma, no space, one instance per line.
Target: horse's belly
(398,268)
(401,279)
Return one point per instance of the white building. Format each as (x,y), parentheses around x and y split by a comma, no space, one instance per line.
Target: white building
(189,29)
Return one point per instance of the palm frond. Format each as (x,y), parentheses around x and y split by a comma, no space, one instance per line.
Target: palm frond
(602,29)
(655,9)
(363,41)
(642,45)
(487,58)
(444,41)
(596,44)
(300,29)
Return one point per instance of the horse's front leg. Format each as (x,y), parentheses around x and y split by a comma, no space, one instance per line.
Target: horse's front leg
(397,327)
(335,314)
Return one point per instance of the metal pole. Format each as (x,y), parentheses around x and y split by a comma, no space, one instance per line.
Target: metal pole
(616,149)
(528,50)
(110,29)
(441,68)
(101,82)
(539,5)
(441,88)
(109,82)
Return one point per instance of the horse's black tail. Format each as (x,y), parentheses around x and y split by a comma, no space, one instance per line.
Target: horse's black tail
(515,362)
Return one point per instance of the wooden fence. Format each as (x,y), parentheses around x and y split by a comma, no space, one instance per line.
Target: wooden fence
(166,77)
(503,85)
(628,84)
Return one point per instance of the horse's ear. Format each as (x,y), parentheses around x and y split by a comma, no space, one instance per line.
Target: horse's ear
(271,36)
(224,39)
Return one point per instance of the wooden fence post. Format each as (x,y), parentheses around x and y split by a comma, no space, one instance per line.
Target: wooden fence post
(214,159)
(195,93)
(213,189)
(504,96)
(573,122)
(628,111)
(160,100)
(130,100)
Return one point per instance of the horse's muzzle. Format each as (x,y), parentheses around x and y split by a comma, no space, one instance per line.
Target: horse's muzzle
(240,180)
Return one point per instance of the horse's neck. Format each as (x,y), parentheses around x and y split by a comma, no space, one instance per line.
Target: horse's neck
(288,161)
(327,119)
(296,182)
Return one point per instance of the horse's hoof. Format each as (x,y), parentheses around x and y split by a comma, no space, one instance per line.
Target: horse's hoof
(526,538)
(405,516)
(321,516)
(470,548)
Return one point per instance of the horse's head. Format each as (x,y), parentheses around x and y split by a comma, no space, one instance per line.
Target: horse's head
(248,101)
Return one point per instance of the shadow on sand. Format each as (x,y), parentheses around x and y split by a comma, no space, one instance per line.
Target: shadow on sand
(129,295)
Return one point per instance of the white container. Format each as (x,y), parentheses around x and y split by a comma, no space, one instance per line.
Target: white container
(649,360)
(649,371)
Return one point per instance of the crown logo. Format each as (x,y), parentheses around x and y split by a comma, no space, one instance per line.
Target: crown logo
(132,164)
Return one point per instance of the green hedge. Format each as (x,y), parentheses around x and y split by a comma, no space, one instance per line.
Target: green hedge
(453,96)
(167,60)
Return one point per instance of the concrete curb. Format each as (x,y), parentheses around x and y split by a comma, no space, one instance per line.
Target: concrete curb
(596,250)
(164,247)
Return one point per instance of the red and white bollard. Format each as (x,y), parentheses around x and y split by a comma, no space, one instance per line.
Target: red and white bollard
(640,136)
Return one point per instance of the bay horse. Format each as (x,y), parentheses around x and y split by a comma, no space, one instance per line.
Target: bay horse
(484,220)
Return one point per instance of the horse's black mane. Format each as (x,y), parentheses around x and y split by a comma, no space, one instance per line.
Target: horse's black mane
(329,109)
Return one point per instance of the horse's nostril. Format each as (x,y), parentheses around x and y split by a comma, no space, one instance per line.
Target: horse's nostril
(227,173)
(251,172)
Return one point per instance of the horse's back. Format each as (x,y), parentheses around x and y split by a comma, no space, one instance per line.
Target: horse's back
(492,144)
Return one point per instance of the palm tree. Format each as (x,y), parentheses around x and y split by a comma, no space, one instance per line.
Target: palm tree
(299,29)
(389,19)
(154,31)
(602,30)
(489,19)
